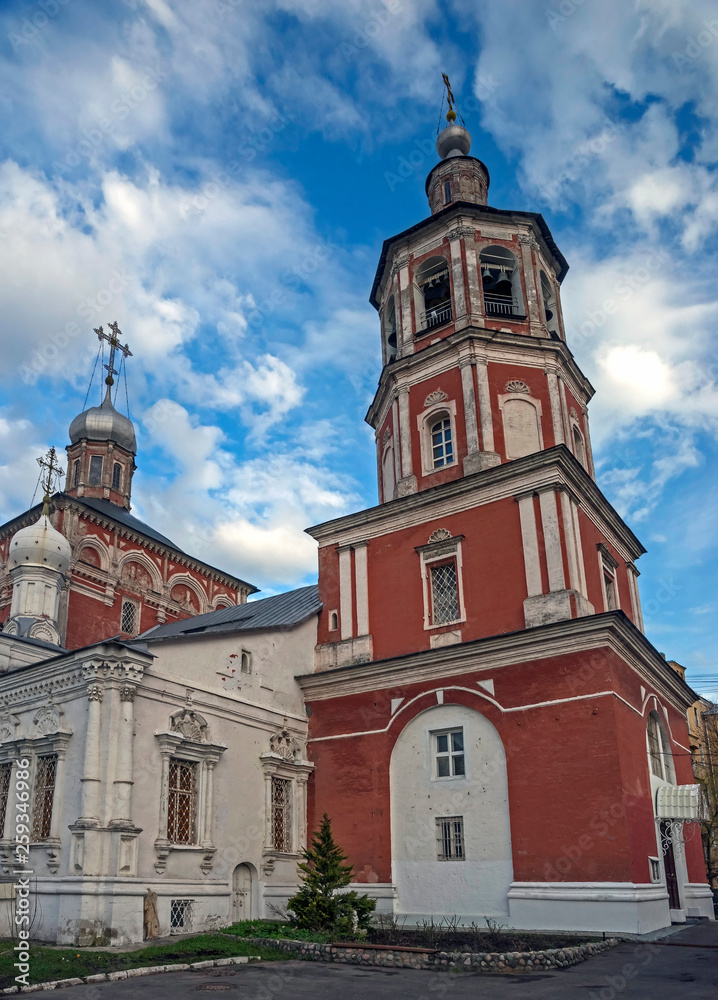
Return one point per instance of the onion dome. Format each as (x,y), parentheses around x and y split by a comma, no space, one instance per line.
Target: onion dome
(454,140)
(40,545)
(104,423)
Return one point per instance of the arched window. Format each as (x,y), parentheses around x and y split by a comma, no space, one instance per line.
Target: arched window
(76,473)
(116,476)
(434,286)
(442,445)
(387,472)
(660,756)
(333,621)
(447,192)
(579,447)
(550,309)
(501,282)
(390,330)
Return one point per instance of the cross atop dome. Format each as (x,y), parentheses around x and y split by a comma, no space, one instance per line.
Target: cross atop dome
(51,472)
(113,340)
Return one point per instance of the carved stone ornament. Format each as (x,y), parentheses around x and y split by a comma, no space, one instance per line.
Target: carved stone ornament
(94,692)
(516,385)
(127,692)
(191,725)
(400,262)
(528,241)
(48,720)
(438,396)
(8,726)
(573,414)
(284,744)
(440,535)
(387,437)
(459,231)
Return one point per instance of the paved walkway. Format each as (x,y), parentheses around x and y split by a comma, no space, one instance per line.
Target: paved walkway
(681,967)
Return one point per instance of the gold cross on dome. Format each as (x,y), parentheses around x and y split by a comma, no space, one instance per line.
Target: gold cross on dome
(451,114)
(113,339)
(52,471)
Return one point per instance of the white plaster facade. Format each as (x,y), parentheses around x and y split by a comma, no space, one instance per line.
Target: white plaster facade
(111,719)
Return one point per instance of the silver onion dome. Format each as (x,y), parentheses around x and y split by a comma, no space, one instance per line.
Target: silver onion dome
(454,140)
(40,545)
(104,423)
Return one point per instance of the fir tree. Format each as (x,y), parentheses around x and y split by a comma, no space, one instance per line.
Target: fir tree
(318,905)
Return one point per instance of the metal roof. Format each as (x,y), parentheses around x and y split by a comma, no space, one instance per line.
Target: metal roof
(280,611)
(122,516)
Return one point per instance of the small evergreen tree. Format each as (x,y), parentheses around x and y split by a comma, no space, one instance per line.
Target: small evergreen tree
(319,906)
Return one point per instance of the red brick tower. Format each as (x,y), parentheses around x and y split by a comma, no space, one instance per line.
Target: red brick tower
(483,688)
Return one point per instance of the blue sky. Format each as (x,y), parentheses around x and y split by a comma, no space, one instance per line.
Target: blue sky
(218,177)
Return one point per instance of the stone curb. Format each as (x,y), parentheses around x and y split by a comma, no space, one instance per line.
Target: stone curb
(513,961)
(147,970)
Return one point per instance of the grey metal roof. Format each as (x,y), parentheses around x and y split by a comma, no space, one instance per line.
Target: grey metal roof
(280,611)
(122,516)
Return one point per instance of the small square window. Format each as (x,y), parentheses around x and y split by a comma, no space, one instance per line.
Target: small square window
(180,915)
(655,869)
(449,753)
(450,838)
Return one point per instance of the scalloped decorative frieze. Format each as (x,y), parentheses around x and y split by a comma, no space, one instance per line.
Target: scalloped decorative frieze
(438,396)
(516,385)
(440,535)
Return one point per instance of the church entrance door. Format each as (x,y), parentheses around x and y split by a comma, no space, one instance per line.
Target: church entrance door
(242,893)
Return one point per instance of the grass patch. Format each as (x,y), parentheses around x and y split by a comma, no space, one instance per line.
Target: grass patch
(277,930)
(47,964)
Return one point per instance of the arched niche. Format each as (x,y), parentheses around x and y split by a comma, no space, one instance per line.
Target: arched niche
(421,800)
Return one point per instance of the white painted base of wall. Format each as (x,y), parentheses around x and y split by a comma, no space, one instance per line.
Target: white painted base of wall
(383,892)
(698,900)
(452,889)
(589,906)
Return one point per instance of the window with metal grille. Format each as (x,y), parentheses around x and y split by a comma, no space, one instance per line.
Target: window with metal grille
(450,838)
(44,797)
(449,753)
(182,802)
(129,618)
(442,447)
(180,915)
(444,593)
(281,814)
(96,470)
(116,476)
(5,775)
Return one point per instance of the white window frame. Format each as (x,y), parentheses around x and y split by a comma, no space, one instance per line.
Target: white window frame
(441,550)
(654,870)
(450,754)
(285,761)
(440,839)
(608,565)
(425,420)
(138,611)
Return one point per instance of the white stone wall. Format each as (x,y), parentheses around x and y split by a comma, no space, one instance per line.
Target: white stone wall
(478,886)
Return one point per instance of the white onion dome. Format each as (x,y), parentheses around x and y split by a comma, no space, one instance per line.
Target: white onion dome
(104,423)
(40,545)
(454,140)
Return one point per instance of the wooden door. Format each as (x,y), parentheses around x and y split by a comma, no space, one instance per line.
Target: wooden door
(669,863)
(242,893)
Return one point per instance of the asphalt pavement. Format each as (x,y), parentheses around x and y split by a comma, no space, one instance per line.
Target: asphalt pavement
(683,966)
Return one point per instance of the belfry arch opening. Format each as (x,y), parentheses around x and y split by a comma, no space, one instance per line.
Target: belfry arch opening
(433,288)
(501,282)
(550,306)
(390,330)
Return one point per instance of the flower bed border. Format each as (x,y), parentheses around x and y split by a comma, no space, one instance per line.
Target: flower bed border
(407,958)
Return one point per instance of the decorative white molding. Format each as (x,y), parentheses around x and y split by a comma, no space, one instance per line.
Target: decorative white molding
(284,745)
(190,725)
(516,385)
(440,535)
(438,396)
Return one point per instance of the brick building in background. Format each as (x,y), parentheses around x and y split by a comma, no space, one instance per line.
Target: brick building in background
(123,577)
(492,732)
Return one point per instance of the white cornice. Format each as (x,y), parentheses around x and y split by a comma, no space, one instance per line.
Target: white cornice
(612,630)
(551,467)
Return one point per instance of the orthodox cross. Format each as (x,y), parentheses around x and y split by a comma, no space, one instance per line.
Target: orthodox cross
(51,471)
(451,114)
(113,339)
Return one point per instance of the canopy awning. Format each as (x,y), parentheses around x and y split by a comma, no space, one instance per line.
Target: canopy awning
(682,802)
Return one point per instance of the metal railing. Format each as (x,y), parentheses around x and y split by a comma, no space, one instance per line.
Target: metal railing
(438,316)
(500,305)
